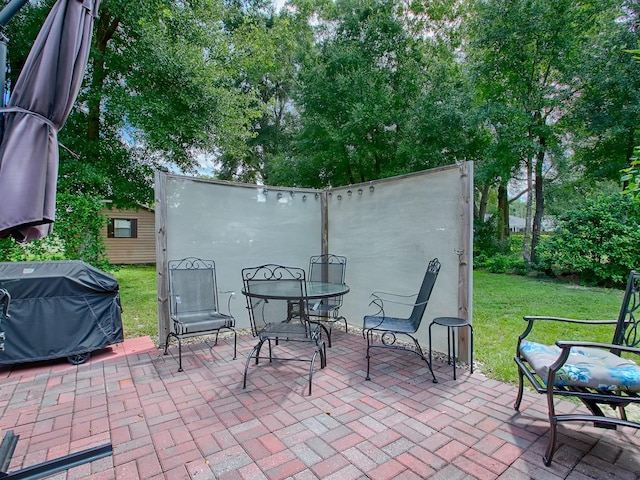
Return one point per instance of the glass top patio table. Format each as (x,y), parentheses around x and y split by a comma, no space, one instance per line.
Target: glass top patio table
(288,290)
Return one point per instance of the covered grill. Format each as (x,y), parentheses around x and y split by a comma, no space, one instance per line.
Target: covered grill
(58,309)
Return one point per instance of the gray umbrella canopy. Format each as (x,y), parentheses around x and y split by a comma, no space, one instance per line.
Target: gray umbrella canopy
(39,105)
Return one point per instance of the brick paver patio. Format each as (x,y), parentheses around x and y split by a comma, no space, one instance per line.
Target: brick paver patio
(201,424)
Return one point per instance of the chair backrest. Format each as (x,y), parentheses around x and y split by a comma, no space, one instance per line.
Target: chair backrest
(328,268)
(628,326)
(192,286)
(424,294)
(263,311)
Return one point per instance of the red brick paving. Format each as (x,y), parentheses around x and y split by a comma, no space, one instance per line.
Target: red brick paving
(201,424)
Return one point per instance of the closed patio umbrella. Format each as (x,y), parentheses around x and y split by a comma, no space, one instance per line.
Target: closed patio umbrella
(39,105)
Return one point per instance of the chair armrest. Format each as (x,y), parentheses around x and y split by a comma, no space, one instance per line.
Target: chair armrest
(379,298)
(232,295)
(531,318)
(609,346)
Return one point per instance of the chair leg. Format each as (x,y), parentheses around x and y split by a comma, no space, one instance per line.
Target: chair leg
(346,327)
(327,331)
(430,350)
(313,361)
(166,348)
(179,354)
(166,343)
(421,353)
(255,352)
(553,433)
(553,426)
(235,343)
(322,347)
(368,353)
(516,405)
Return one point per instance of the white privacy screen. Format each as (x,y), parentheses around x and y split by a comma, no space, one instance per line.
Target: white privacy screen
(389,230)
(239,226)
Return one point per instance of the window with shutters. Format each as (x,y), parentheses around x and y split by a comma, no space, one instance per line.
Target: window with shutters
(122,228)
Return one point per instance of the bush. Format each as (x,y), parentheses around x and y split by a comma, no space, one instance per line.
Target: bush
(76,235)
(597,241)
(485,242)
(502,263)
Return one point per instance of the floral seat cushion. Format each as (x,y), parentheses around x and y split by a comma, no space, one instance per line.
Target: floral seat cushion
(585,367)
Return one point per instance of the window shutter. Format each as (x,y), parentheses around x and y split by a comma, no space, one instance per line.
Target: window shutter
(110,233)
(134,228)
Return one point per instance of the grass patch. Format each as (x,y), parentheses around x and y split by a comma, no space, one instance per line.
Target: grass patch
(139,299)
(499,303)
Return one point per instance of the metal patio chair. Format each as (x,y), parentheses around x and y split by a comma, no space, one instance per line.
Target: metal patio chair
(595,373)
(327,268)
(387,328)
(193,303)
(278,313)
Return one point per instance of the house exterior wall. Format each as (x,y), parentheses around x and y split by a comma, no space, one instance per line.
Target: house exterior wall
(129,251)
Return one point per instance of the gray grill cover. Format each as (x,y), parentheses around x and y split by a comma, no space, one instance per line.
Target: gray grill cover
(58,309)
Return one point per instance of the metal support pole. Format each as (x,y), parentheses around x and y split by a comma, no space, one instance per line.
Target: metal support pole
(10,10)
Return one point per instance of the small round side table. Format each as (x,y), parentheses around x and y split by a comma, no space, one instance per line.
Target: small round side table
(452,323)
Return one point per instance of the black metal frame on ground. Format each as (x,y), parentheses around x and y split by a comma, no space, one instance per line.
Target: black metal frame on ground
(281,317)
(327,268)
(48,468)
(626,338)
(388,328)
(193,300)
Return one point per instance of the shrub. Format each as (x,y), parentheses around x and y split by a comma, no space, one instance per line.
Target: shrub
(485,242)
(76,235)
(597,241)
(502,263)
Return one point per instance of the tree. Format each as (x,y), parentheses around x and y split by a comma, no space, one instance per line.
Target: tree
(523,54)
(380,98)
(282,39)
(605,116)
(160,89)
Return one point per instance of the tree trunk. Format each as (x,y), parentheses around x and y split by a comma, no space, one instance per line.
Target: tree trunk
(481,210)
(106,27)
(503,215)
(537,219)
(527,221)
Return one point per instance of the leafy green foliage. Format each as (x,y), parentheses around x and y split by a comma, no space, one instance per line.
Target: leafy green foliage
(382,96)
(631,176)
(497,256)
(76,235)
(597,241)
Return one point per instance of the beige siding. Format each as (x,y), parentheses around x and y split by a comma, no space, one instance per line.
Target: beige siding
(140,250)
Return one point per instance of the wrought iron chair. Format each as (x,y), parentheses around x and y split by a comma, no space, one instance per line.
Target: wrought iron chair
(193,303)
(592,372)
(327,268)
(278,313)
(388,328)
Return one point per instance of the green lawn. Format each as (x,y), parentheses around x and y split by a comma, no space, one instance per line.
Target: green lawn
(499,303)
(139,299)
